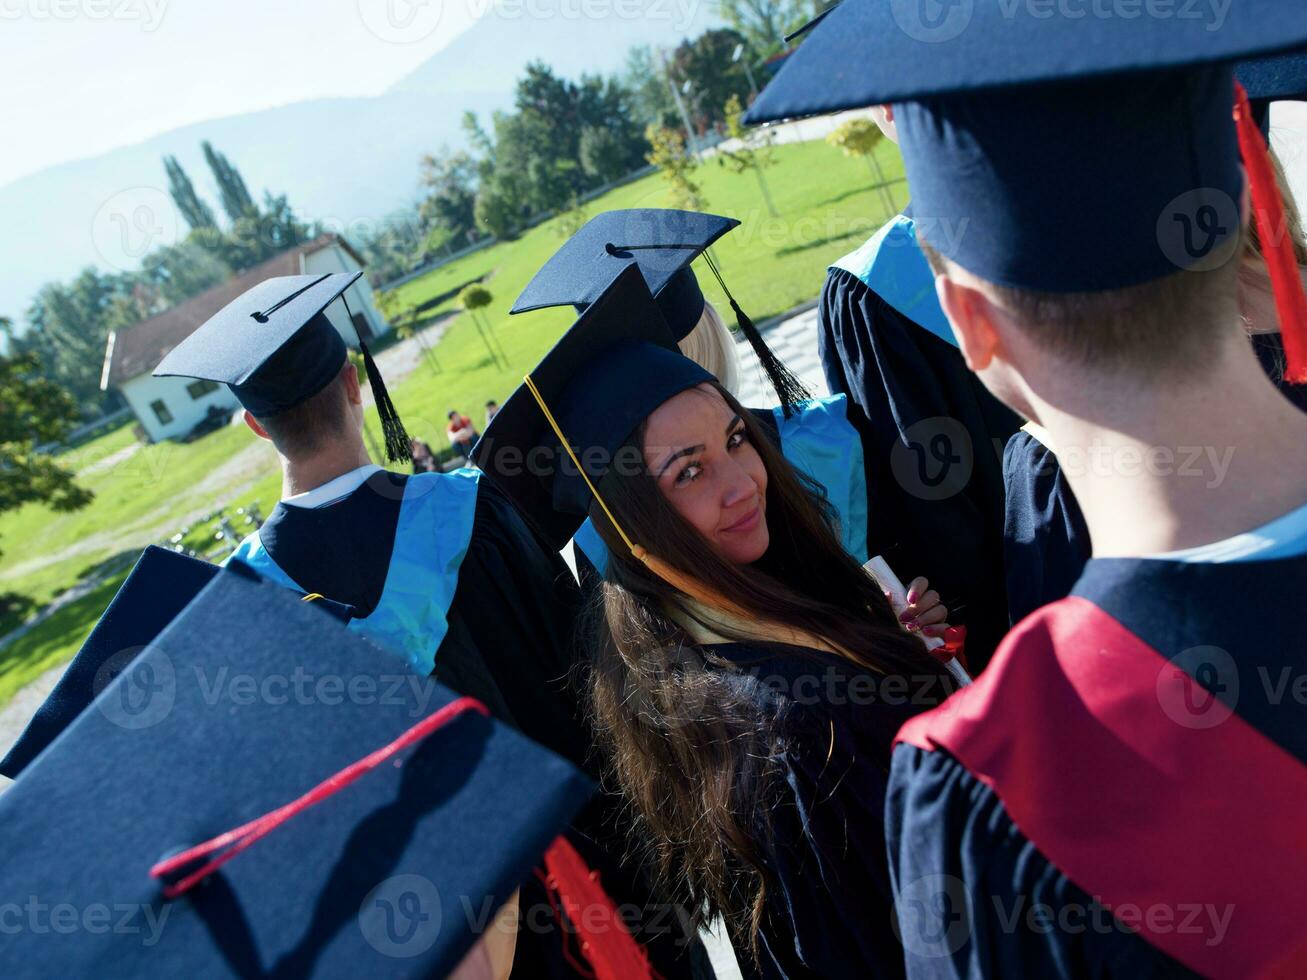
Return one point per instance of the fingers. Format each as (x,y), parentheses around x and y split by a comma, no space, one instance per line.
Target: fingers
(933,616)
(926,603)
(915,588)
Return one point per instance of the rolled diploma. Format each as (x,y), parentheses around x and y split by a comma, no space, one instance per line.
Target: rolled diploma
(889,583)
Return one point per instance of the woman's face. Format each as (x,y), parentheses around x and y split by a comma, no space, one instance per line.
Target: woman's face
(698,452)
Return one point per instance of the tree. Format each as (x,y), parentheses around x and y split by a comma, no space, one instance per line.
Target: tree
(860,138)
(764,23)
(474,299)
(651,102)
(754,150)
(34,411)
(178,272)
(448,212)
(197,213)
(236,200)
(714,78)
(667,153)
(68,324)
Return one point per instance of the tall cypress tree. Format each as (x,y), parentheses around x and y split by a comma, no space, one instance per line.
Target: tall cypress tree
(197,213)
(236,200)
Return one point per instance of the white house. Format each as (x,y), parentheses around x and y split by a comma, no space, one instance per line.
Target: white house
(168,408)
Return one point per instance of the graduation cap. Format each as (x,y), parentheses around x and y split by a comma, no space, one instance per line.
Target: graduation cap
(1277,79)
(275,347)
(255,797)
(1062,154)
(160,586)
(661,242)
(615,365)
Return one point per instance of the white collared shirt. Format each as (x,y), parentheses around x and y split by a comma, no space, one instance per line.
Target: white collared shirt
(333,490)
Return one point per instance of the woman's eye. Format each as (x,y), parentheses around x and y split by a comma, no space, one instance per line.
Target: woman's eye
(737,439)
(688,475)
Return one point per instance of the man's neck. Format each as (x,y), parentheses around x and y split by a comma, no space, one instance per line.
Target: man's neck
(309,473)
(1166,466)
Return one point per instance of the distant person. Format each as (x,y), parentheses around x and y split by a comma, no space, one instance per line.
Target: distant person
(424,460)
(492,409)
(462,434)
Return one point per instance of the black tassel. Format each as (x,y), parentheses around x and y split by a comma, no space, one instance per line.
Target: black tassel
(392,429)
(789,389)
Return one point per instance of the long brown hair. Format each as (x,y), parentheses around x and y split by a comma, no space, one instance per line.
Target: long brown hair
(690,749)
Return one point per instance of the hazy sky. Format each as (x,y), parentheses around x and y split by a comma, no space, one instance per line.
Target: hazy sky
(79,77)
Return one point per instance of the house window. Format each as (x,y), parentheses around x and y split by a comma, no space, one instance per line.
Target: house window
(161,411)
(198,389)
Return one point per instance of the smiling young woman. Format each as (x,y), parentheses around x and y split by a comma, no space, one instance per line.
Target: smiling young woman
(752,734)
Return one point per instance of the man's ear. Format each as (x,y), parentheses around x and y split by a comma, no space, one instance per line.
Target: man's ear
(353,390)
(254,425)
(972,316)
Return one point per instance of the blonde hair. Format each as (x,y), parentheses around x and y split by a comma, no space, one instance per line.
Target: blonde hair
(712,346)
(1255,290)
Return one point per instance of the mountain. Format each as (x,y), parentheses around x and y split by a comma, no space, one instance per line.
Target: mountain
(349,162)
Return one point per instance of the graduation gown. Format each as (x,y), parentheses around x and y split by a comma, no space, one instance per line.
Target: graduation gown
(1135,748)
(508,639)
(820,442)
(1045,537)
(932,434)
(828,908)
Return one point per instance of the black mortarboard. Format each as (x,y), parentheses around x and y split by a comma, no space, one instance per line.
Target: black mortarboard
(1015,127)
(158,588)
(247,702)
(662,242)
(275,347)
(616,364)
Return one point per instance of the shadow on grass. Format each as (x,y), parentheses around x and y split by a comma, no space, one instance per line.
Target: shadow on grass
(863,189)
(15,609)
(857,233)
(54,641)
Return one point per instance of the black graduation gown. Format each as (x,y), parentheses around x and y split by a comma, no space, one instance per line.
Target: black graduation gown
(1045,537)
(511,643)
(828,909)
(1132,747)
(932,438)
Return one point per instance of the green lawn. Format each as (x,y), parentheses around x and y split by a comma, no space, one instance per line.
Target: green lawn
(771,264)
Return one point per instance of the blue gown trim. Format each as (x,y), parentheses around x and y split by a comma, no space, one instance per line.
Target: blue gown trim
(821,442)
(431,540)
(892,265)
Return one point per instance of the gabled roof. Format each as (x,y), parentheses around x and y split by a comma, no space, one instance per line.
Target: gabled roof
(139,348)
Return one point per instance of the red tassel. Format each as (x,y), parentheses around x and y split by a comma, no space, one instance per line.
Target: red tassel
(238,839)
(1277,249)
(606,944)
